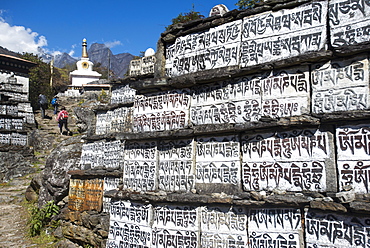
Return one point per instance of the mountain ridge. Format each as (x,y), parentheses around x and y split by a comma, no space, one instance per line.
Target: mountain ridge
(98,53)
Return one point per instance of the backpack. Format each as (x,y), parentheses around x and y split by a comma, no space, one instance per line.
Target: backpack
(63,115)
(42,99)
(53,101)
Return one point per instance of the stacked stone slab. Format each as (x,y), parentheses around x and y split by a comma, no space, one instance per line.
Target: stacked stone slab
(15,109)
(16,116)
(252,132)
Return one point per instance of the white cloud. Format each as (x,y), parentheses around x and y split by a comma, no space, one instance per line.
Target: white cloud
(111,44)
(55,53)
(71,53)
(20,39)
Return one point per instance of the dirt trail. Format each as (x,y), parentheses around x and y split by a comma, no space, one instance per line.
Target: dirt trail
(13,222)
(13,214)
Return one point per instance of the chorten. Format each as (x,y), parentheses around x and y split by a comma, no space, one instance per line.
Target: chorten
(84,73)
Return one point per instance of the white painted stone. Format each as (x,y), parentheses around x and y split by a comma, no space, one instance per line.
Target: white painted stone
(176,217)
(169,101)
(293,161)
(123,94)
(226,172)
(275,219)
(353,157)
(353,142)
(218,10)
(135,67)
(214,48)
(285,107)
(224,227)
(285,21)
(227,112)
(140,166)
(176,150)
(101,122)
(339,74)
(355,174)
(164,238)
(281,93)
(297,145)
(176,165)
(274,239)
(341,85)
(334,230)
(16,139)
(211,239)
(11,123)
(227,220)
(131,213)
(283,34)
(349,99)
(117,120)
(123,235)
(161,112)
(219,148)
(275,227)
(285,83)
(289,176)
(17,84)
(218,160)
(102,155)
(349,23)
(140,175)
(110,183)
(145,151)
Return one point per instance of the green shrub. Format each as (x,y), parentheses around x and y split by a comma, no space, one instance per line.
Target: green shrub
(103,97)
(41,218)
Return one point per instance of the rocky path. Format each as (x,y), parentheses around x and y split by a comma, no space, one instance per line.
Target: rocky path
(13,215)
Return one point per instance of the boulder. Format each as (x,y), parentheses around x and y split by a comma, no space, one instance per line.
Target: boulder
(14,164)
(55,177)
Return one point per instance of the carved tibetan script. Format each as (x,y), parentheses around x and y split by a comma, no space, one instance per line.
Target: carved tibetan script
(341,85)
(349,22)
(283,34)
(354,157)
(293,161)
(176,166)
(140,166)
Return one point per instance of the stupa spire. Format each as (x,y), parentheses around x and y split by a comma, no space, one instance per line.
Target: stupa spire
(84,49)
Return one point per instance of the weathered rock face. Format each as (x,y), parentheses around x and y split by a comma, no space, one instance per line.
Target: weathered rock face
(85,120)
(40,141)
(14,164)
(65,157)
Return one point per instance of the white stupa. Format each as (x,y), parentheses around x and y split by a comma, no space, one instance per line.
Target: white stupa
(84,73)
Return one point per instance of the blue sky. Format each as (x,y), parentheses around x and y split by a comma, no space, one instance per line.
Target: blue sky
(60,26)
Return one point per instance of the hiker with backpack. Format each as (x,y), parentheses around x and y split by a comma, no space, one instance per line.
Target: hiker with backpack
(43,105)
(63,120)
(54,102)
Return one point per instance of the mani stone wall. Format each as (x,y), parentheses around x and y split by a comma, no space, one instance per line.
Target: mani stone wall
(252,132)
(15,109)
(16,117)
